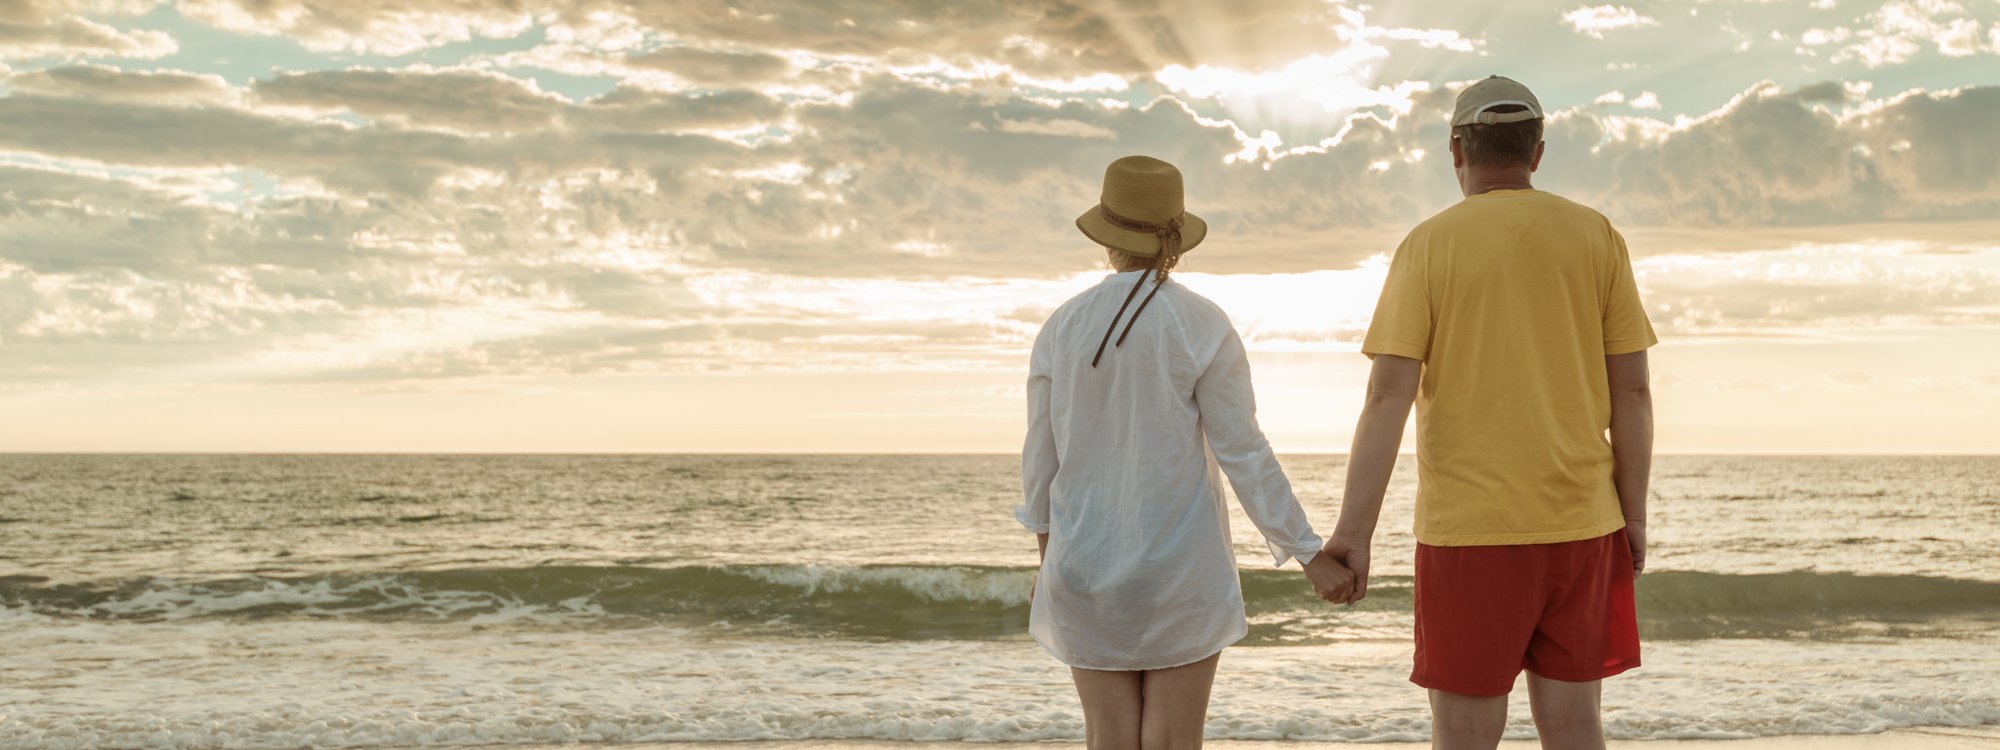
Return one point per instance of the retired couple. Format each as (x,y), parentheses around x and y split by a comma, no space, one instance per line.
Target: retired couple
(1511,320)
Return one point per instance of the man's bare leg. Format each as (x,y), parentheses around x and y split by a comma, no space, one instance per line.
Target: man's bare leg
(1111,703)
(1176,705)
(1566,713)
(1467,722)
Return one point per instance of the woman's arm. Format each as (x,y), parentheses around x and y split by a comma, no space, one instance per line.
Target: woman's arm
(1038,451)
(1229,419)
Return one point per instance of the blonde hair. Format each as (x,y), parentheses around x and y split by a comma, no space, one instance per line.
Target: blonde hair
(1120,260)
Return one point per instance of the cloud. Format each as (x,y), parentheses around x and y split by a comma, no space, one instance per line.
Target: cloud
(1822,287)
(139,134)
(1058,127)
(465,100)
(706,42)
(1773,156)
(777,189)
(1594,20)
(1643,100)
(72,37)
(637,109)
(1895,31)
(713,67)
(387,27)
(43,11)
(105,83)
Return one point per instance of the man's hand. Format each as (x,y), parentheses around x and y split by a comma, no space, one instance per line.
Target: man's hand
(1330,580)
(1635,533)
(1352,555)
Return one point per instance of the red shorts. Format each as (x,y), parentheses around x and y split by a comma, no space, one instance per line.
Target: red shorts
(1563,611)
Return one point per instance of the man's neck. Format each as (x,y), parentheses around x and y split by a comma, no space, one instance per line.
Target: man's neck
(1487,180)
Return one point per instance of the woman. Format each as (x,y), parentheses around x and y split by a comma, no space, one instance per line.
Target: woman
(1129,416)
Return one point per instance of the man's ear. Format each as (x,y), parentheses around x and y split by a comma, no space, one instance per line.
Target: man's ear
(1458,157)
(1536,163)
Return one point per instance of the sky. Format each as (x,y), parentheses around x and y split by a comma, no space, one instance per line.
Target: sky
(835,226)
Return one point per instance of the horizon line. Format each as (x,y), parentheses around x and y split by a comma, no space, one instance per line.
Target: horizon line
(1695,454)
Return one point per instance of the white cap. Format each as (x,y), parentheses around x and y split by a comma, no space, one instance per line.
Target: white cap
(1476,102)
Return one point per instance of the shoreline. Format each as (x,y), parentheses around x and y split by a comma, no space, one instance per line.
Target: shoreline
(1913,738)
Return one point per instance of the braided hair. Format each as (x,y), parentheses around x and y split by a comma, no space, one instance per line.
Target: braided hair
(1120,260)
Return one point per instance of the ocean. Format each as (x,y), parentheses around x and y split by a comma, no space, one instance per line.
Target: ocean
(280,601)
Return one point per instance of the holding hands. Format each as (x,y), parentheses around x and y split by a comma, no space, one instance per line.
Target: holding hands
(1343,564)
(1330,579)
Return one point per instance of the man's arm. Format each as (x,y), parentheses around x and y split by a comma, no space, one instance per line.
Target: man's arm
(1392,387)
(1631,444)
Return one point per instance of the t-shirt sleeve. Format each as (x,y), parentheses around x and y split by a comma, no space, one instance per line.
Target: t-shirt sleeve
(1402,322)
(1626,328)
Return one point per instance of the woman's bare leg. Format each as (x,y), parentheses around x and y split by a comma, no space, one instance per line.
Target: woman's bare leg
(1176,705)
(1111,704)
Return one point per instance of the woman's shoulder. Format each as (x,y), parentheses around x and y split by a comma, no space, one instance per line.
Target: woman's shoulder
(1191,307)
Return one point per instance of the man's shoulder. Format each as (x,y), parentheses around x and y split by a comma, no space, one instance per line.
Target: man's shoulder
(1578,211)
(1542,200)
(1476,218)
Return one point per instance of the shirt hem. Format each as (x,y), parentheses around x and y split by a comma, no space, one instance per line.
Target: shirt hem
(1540,537)
(1021,516)
(1313,543)
(1239,635)
(1628,347)
(1394,348)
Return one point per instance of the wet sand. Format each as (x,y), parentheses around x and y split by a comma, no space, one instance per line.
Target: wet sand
(1928,738)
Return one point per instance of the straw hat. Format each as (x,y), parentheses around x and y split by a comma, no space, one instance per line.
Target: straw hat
(1138,209)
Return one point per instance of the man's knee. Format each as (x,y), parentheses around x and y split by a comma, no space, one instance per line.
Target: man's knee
(1459,720)
(1566,713)
(1568,721)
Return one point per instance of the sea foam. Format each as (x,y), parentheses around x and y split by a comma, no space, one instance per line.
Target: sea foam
(289,684)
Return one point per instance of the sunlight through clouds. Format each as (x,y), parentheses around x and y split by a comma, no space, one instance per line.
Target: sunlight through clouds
(303,197)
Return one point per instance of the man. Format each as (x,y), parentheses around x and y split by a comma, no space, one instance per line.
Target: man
(1513,322)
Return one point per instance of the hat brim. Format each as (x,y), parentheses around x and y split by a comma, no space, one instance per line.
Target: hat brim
(1146,244)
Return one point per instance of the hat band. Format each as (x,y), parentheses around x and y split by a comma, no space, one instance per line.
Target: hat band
(1168,231)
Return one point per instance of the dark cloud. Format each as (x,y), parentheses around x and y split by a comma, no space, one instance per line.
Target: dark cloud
(631,108)
(127,133)
(1686,304)
(615,225)
(1771,158)
(1048,38)
(459,99)
(44,11)
(391,27)
(71,37)
(713,67)
(106,83)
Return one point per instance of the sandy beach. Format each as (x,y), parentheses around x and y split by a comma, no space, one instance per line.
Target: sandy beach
(1941,738)
(1927,738)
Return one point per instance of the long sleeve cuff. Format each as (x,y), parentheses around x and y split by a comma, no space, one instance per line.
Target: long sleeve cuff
(1303,550)
(1037,526)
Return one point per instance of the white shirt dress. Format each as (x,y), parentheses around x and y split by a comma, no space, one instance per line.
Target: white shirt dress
(1120,469)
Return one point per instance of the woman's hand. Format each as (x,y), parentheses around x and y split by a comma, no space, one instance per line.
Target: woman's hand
(1352,555)
(1330,580)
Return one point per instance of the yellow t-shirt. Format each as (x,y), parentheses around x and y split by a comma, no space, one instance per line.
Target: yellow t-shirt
(1512,299)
